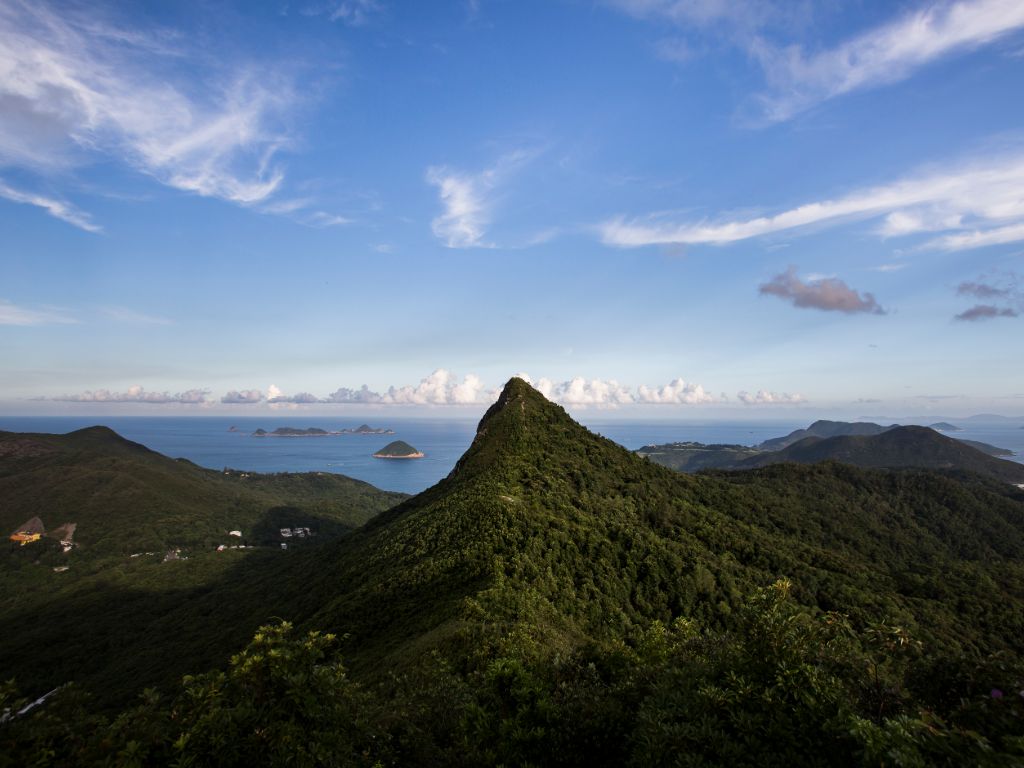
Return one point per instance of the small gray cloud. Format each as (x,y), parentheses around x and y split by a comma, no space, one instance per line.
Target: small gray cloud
(981,290)
(241,397)
(828,294)
(1001,287)
(985,312)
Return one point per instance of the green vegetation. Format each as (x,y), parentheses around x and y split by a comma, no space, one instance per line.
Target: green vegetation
(559,600)
(784,688)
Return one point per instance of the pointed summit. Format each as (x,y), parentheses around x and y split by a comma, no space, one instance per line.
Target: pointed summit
(521,422)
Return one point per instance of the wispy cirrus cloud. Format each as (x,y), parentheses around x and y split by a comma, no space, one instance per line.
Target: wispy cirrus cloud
(13,314)
(59,209)
(136,394)
(828,294)
(75,88)
(467,199)
(973,203)
(356,13)
(799,79)
(885,54)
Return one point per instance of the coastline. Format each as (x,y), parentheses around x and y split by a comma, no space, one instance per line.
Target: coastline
(417,455)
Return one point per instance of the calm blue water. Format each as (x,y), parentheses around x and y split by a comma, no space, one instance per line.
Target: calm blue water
(208,442)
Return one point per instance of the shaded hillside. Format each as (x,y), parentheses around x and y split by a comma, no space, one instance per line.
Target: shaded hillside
(126,498)
(895,447)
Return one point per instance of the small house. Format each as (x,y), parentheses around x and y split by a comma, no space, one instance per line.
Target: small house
(31,530)
(235,533)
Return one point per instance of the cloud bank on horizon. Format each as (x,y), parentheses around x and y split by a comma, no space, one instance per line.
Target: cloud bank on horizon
(444,388)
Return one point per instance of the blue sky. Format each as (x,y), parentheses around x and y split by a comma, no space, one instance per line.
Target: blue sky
(663,207)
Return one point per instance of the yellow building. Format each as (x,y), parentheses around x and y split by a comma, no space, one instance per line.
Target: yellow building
(32,530)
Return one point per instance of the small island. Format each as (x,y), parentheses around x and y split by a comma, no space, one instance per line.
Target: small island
(945,426)
(366,429)
(294,432)
(399,449)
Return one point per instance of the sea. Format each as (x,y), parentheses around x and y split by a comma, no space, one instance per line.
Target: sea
(216,442)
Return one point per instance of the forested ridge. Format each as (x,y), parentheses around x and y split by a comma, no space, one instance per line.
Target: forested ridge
(558,600)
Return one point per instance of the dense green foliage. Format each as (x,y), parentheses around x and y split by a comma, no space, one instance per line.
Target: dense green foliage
(785,687)
(560,600)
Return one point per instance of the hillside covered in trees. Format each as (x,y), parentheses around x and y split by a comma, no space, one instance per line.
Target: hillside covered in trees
(559,600)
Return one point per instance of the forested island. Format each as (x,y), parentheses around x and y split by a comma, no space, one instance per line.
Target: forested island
(399,449)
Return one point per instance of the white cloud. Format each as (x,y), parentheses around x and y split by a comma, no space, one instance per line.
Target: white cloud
(56,208)
(74,89)
(983,196)
(363,395)
(12,314)
(761,397)
(136,394)
(441,387)
(678,392)
(885,54)
(580,392)
(467,202)
(977,238)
